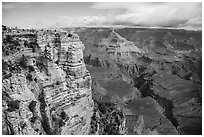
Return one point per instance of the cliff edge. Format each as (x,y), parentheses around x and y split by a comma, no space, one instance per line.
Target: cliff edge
(45,91)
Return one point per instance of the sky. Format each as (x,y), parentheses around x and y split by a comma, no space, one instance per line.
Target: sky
(70,14)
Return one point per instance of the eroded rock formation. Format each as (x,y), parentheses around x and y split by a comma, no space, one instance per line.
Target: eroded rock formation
(47,92)
(153,89)
(113,50)
(167,73)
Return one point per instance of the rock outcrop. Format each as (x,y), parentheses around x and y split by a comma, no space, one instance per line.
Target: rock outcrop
(72,95)
(113,50)
(119,46)
(47,92)
(107,119)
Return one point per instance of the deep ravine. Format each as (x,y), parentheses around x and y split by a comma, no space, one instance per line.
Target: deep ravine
(144,87)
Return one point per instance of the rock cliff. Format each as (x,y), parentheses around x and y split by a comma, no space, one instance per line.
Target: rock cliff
(47,91)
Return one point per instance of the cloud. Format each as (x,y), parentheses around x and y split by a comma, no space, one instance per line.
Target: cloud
(179,15)
(192,24)
(13,5)
(154,14)
(64,21)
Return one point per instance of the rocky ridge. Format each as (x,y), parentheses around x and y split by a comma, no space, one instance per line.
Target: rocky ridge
(112,50)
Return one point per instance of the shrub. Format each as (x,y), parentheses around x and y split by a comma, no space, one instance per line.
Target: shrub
(35,79)
(8,38)
(32,106)
(29,77)
(13,105)
(33,119)
(25,44)
(23,62)
(63,115)
(57,83)
(31,68)
(61,123)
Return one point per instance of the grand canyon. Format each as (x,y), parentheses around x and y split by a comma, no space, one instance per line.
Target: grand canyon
(101,81)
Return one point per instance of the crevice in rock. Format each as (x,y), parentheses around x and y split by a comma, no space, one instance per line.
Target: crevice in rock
(45,119)
(144,87)
(168,107)
(32,108)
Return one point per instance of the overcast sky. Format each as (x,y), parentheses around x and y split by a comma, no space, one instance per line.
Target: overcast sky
(41,15)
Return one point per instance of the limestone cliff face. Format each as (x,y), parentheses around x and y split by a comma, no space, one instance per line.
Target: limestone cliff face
(71,94)
(47,92)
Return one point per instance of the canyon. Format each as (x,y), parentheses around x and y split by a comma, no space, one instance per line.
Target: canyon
(101,81)
(159,85)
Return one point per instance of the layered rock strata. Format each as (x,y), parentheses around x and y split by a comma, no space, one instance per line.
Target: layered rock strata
(112,51)
(47,92)
(72,94)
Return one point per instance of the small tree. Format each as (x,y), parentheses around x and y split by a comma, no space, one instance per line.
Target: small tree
(63,115)
(25,44)
(13,105)
(29,77)
(32,106)
(23,62)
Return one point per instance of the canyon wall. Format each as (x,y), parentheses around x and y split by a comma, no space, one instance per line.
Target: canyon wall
(47,91)
(167,73)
